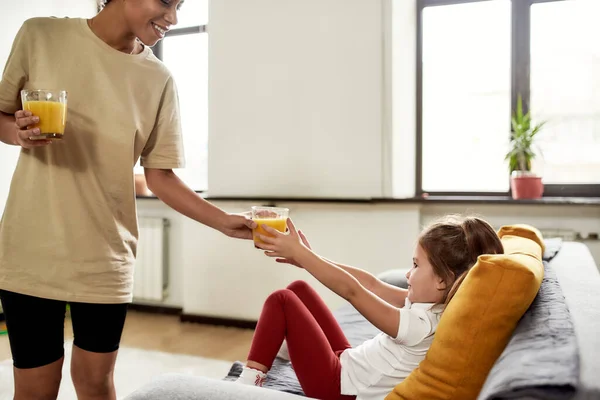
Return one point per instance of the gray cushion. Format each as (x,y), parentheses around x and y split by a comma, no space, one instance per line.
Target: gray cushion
(396,277)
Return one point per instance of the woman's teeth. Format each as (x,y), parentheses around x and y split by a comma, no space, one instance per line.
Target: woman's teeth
(159,29)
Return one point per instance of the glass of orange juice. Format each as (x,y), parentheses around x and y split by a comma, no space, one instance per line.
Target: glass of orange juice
(51,108)
(275,217)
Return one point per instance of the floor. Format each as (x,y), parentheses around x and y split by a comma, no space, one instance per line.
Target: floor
(166,333)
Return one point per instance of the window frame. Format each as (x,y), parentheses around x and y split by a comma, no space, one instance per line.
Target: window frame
(520,83)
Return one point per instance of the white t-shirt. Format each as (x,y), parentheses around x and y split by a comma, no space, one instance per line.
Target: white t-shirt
(371,370)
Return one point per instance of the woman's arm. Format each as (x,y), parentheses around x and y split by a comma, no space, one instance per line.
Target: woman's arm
(8,131)
(172,191)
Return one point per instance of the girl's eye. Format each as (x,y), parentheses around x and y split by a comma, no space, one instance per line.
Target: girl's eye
(415,265)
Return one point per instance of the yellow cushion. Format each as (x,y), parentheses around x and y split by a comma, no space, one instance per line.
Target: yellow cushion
(525,231)
(479,321)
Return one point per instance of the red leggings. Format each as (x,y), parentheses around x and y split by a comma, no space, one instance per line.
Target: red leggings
(314,339)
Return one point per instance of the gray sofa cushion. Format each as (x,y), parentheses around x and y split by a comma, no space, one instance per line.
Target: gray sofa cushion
(396,277)
(552,246)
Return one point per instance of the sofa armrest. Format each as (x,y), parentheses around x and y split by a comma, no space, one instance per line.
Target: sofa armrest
(580,283)
(188,387)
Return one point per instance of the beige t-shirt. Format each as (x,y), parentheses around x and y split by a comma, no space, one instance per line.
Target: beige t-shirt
(69,230)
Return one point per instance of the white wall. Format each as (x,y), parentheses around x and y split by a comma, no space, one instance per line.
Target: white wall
(295,98)
(13,14)
(400,60)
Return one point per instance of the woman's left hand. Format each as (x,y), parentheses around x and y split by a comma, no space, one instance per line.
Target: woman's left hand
(281,245)
(238,226)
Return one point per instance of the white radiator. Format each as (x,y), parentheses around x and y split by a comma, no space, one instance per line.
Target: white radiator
(151,274)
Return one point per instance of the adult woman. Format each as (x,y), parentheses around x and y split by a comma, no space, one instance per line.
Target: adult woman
(69,230)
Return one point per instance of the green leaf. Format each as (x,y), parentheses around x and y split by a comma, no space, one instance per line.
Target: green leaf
(537,128)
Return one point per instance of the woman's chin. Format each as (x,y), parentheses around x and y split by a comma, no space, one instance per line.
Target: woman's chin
(149,41)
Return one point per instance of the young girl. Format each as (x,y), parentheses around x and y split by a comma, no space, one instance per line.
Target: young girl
(325,363)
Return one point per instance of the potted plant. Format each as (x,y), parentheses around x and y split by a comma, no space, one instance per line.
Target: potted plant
(524,183)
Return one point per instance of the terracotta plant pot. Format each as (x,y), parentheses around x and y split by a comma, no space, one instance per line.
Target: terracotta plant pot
(141,188)
(526,185)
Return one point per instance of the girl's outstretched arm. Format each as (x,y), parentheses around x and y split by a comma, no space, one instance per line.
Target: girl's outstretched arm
(380,313)
(392,294)
(389,293)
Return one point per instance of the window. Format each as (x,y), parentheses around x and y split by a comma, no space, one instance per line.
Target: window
(565,89)
(473,58)
(184,50)
(466,96)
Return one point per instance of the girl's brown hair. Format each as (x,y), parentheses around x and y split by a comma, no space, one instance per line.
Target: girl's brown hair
(453,244)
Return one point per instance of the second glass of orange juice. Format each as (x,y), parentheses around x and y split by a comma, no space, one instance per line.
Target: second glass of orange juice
(275,217)
(51,108)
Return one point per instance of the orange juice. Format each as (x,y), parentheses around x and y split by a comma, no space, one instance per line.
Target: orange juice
(52,116)
(275,223)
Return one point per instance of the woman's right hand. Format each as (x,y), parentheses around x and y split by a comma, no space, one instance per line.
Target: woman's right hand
(292,262)
(23,119)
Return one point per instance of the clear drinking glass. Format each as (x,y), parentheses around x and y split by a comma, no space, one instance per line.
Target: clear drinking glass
(275,217)
(51,108)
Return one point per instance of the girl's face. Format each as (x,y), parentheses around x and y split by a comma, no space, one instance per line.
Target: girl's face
(149,20)
(424,286)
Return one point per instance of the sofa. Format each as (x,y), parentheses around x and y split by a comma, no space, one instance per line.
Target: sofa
(578,278)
